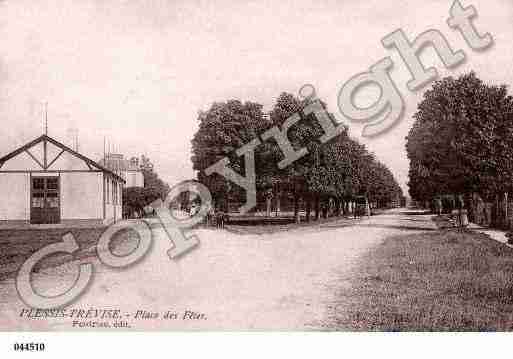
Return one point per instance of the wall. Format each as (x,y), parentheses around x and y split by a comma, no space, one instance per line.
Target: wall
(15,195)
(110,212)
(113,211)
(133,178)
(81,195)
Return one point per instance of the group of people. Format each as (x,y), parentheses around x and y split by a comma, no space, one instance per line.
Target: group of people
(361,207)
(217,218)
(458,211)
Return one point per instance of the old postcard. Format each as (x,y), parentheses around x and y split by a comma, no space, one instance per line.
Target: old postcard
(298,165)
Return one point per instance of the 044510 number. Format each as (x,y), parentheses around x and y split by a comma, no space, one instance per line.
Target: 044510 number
(29,347)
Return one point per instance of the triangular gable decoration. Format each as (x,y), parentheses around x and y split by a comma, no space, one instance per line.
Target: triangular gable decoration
(45,153)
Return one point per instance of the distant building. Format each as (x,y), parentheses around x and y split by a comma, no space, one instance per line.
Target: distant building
(46,182)
(129,170)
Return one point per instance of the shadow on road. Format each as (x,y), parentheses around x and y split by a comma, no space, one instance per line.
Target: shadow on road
(414,213)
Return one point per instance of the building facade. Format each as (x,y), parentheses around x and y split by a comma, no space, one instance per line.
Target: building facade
(46,182)
(129,170)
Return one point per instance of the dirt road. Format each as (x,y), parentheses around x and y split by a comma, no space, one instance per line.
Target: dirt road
(280,281)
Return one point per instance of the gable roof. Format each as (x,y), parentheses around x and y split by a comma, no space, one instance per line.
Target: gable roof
(90,163)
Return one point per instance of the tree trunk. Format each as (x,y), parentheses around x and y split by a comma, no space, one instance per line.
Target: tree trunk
(337,206)
(325,208)
(317,207)
(297,214)
(268,206)
(469,203)
(214,203)
(296,209)
(308,208)
(367,207)
(278,204)
(494,210)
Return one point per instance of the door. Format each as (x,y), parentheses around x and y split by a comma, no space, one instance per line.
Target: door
(45,200)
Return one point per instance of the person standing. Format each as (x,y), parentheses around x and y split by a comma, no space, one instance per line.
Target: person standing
(438,206)
(462,212)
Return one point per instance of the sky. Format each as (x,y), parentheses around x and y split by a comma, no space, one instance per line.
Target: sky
(138,72)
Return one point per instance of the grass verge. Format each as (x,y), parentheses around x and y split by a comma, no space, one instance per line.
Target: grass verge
(16,246)
(437,281)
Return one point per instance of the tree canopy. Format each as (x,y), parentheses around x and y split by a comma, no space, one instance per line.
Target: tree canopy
(339,169)
(461,140)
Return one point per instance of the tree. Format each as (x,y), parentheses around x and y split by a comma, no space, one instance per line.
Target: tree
(136,198)
(152,180)
(461,140)
(292,180)
(329,172)
(224,128)
(337,170)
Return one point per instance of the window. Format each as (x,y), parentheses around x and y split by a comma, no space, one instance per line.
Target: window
(45,192)
(38,183)
(52,199)
(52,183)
(38,199)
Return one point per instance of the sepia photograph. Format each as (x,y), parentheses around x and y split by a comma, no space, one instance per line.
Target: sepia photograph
(255,166)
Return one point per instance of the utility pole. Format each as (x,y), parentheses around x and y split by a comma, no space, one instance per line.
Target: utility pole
(46,118)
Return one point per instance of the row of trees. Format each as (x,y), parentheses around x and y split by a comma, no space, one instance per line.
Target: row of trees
(461,144)
(331,173)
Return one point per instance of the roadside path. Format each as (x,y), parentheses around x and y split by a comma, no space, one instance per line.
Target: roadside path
(495,234)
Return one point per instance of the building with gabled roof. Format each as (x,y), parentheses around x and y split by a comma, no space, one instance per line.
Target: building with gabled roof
(46,182)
